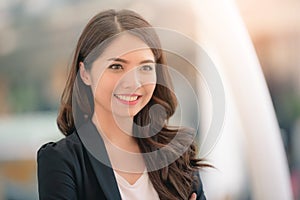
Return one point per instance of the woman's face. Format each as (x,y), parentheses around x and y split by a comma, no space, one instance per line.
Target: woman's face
(123,78)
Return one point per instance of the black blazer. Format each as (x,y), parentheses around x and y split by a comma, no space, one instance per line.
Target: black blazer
(67,170)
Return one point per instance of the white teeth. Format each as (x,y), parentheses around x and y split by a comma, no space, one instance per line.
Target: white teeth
(127,98)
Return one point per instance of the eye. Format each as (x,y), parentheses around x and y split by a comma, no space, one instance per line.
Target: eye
(115,67)
(147,68)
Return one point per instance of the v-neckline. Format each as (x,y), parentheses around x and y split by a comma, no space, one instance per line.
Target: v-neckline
(124,182)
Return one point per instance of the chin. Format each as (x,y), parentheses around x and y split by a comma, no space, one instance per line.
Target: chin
(125,114)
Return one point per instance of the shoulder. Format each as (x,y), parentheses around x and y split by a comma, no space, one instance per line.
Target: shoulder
(56,168)
(62,151)
(59,157)
(64,146)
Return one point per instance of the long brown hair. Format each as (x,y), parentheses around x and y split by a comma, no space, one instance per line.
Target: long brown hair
(174,181)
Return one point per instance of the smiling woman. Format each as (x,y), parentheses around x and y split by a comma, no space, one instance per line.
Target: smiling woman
(114,112)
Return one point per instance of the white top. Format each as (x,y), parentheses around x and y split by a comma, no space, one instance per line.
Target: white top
(141,189)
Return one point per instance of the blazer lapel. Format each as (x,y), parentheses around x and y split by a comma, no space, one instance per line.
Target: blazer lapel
(99,159)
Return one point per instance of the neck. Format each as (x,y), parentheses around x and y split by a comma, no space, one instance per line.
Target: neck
(122,148)
(116,130)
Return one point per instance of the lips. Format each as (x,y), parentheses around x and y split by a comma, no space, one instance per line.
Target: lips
(129,99)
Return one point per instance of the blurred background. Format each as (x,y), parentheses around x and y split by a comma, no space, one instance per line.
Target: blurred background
(38,37)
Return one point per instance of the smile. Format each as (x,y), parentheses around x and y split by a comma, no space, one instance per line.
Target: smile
(128,99)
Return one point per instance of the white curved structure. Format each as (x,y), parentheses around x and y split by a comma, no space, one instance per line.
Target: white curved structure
(224,36)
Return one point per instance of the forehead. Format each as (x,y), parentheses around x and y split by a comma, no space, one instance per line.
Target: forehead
(126,44)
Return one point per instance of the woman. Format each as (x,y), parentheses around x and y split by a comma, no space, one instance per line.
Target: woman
(114,112)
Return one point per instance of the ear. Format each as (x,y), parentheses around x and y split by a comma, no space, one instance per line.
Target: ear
(84,74)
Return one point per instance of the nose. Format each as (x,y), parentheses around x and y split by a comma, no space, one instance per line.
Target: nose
(131,80)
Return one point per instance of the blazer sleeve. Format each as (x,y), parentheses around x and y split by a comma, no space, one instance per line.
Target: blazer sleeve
(55,176)
(198,188)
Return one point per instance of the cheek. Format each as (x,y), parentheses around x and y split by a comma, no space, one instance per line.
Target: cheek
(104,87)
(150,89)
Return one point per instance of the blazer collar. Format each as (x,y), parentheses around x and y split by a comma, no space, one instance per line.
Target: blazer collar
(97,154)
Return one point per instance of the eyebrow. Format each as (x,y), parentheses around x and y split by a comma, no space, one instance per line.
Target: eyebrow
(126,62)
